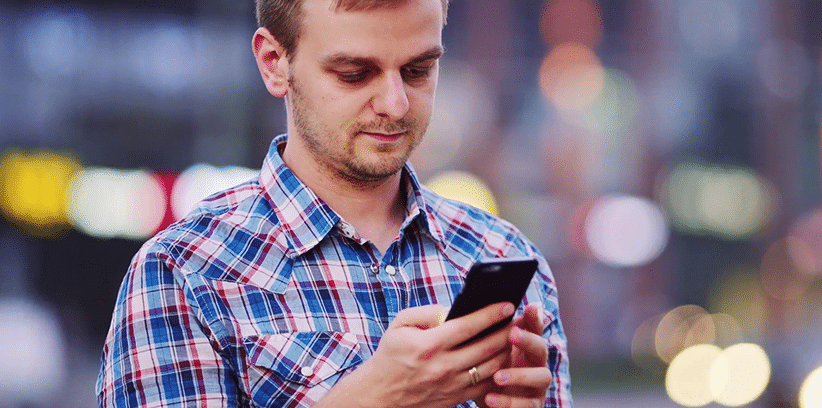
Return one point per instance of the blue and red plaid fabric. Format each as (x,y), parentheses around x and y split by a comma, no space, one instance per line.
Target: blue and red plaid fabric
(264,296)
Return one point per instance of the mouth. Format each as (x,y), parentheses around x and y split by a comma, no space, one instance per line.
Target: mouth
(386,137)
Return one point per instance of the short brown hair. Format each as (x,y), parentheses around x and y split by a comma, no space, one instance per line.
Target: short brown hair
(283,17)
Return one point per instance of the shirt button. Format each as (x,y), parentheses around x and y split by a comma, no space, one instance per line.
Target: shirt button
(391,270)
(307,371)
(374,268)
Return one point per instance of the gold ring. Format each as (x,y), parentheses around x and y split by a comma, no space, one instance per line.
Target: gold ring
(474,375)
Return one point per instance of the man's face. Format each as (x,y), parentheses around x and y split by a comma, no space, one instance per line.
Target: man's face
(361,85)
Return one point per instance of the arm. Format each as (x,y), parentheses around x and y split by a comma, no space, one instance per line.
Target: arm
(156,353)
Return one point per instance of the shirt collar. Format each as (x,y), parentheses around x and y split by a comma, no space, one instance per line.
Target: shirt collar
(306,219)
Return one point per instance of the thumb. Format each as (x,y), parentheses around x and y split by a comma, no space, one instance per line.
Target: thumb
(422,317)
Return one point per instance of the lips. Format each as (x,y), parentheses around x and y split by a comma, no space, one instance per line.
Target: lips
(385,137)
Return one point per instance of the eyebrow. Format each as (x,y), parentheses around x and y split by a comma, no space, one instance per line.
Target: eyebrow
(345,59)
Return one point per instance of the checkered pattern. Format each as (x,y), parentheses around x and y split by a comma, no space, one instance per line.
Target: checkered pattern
(264,296)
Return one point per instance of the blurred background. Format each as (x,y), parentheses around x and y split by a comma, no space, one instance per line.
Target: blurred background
(664,155)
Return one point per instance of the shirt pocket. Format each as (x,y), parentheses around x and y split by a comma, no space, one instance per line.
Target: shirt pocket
(297,367)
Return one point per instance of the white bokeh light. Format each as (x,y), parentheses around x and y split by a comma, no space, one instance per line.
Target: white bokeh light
(200,181)
(626,231)
(33,353)
(111,203)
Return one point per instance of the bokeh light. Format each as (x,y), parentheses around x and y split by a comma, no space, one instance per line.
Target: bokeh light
(733,203)
(613,112)
(33,188)
(56,43)
(810,393)
(578,21)
(464,187)
(463,105)
(658,339)
(740,374)
(163,58)
(680,328)
(33,363)
(784,68)
(572,77)
(805,243)
(688,379)
(626,231)
(111,203)
(780,277)
(739,294)
(201,180)
(643,348)
(711,27)
(727,329)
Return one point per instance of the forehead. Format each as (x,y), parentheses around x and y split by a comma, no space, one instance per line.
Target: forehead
(391,30)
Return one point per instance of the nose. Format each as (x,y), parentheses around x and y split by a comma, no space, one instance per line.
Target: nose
(391,99)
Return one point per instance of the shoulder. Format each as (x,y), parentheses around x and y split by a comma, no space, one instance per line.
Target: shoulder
(239,223)
(478,233)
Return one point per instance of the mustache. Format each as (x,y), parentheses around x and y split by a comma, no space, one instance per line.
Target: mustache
(384,126)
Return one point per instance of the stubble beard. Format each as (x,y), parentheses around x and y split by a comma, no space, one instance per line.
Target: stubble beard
(343,161)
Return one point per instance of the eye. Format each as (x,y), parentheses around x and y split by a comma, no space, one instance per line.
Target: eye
(416,73)
(353,77)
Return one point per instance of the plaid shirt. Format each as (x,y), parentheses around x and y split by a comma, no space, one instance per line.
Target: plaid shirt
(264,296)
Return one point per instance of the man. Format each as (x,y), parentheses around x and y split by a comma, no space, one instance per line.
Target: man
(323,282)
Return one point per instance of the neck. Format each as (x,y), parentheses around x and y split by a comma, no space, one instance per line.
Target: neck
(376,208)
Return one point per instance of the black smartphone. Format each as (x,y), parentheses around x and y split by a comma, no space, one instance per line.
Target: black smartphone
(492,281)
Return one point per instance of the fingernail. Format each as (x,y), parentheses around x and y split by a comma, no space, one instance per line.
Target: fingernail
(493,400)
(502,377)
(507,310)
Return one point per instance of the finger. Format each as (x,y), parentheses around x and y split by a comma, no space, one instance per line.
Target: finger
(487,368)
(485,371)
(537,379)
(531,319)
(505,401)
(463,328)
(422,317)
(494,348)
(532,345)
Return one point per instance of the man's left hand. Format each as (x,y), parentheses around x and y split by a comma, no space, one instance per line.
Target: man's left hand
(525,383)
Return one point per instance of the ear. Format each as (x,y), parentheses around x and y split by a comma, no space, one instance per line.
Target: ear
(272,62)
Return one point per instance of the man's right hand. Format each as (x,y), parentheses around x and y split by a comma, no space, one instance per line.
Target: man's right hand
(418,363)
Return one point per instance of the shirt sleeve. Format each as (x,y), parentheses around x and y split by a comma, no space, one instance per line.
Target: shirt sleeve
(559,393)
(157,353)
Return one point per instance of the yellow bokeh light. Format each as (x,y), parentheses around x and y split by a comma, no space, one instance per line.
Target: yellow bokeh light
(740,294)
(728,330)
(687,380)
(681,328)
(740,374)
(33,187)
(810,394)
(466,188)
